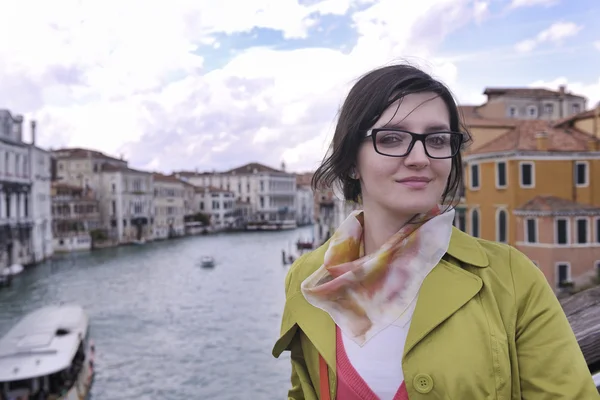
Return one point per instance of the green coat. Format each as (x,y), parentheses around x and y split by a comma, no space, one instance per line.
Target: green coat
(486,326)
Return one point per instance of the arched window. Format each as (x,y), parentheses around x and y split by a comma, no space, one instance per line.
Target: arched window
(501,226)
(475,222)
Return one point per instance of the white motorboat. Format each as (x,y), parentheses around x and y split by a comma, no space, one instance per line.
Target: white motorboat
(13,270)
(207,262)
(48,355)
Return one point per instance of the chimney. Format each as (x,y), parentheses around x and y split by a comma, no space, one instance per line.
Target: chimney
(33,133)
(541,139)
(593,144)
(562,89)
(283,166)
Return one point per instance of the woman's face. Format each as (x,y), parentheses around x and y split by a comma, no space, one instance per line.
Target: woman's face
(412,184)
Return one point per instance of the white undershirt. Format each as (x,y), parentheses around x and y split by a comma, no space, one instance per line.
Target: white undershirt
(379,361)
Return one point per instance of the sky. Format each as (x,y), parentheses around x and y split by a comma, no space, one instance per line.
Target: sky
(210,85)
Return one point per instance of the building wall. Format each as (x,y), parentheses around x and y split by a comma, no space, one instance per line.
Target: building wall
(552,177)
(561,108)
(169,208)
(583,259)
(41,204)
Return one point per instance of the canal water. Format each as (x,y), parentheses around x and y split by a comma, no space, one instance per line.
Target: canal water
(164,327)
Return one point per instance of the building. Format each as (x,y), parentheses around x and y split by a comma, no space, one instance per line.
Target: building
(271,192)
(530,103)
(41,200)
(562,237)
(125,195)
(587,121)
(75,214)
(535,158)
(305,200)
(16,222)
(169,206)
(219,205)
(127,203)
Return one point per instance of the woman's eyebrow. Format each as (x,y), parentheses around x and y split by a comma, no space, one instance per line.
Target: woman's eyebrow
(428,128)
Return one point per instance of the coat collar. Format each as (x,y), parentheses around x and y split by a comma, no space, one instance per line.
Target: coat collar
(447,288)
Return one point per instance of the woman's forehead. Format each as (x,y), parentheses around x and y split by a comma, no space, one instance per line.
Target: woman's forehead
(416,109)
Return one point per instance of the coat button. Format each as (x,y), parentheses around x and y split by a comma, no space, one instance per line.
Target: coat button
(423,383)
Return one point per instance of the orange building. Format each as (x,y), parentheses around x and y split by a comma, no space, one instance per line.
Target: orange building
(533,160)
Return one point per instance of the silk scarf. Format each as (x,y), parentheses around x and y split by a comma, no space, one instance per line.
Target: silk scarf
(364,294)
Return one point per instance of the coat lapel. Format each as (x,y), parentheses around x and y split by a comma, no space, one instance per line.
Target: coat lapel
(446,289)
(317,325)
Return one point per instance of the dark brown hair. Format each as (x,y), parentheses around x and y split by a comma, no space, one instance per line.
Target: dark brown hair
(372,94)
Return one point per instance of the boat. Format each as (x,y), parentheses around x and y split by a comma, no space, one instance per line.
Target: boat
(207,262)
(13,270)
(48,354)
(139,242)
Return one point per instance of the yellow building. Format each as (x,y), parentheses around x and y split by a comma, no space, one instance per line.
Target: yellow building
(533,159)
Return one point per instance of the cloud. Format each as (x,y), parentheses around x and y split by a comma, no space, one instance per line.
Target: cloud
(532,3)
(556,34)
(597,44)
(104,75)
(107,76)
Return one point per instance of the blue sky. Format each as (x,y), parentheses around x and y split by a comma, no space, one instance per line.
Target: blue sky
(212,85)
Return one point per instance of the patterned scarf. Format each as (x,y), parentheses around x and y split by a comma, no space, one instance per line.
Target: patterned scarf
(366,294)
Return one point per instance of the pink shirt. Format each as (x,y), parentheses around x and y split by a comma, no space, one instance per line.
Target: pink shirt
(350,385)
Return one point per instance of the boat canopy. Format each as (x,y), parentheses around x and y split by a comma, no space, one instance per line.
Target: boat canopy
(42,343)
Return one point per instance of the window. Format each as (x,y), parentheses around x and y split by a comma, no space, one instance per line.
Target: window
(462,222)
(561,231)
(597,230)
(501,226)
(581,173)
(475,223)
(527,174)
(512,112)
(563,273)
(474,176)
(576,108)
(548,109)
(532,112)
(501,174)
(582,231)
(531,230)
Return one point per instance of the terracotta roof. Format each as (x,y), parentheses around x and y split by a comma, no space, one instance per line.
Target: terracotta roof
(188,174)
(523,138)
(80,153)
(573,118)
(158,177)
(304,179)
(552,205)
(62,185)
(527,92)
(249,169)
(470,116)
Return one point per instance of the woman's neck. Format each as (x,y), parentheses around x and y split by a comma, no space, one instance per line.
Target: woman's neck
(379,226)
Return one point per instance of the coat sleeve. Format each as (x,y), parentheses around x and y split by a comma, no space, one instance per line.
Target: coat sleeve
(301,385)
(551,364)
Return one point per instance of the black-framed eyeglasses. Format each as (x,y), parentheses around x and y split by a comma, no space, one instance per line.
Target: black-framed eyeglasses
(393,142)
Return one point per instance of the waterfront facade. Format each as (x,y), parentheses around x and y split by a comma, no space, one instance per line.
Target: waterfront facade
(41,200)
(169,206)
(75,215)
(270,192)
(127,203)
(24,207)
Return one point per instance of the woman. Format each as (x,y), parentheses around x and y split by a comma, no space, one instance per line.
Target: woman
(398,304)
